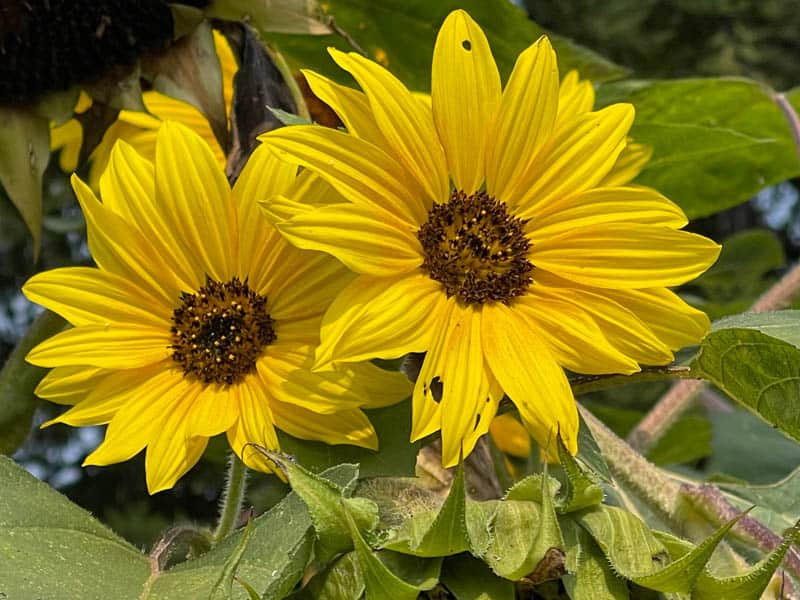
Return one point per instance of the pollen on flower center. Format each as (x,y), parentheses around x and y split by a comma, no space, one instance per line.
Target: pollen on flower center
(476,249)
(219,332)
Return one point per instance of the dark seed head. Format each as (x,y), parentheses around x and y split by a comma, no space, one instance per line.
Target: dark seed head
(220,331)
(476,250)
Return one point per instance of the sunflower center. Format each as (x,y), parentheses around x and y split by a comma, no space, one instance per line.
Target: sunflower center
(475,249)
(219,332)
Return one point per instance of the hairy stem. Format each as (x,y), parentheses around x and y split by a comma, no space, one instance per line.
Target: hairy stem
(232,498)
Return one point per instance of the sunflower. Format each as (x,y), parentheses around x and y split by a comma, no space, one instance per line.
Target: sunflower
(139,128)
(490,230)
(199,318)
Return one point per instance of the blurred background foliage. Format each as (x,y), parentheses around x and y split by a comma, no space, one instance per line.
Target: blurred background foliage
(653,39)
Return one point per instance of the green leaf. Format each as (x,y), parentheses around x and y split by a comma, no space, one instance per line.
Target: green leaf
(328,504)
(743,271)
(396,457)
(589,452)
(680,575)
(24,153)
(18,379)
(760,372)
(406,47)
(514,532)
(716,142)
(593,579)
(340,581)
(468,578)
(581,489)
(436,533)
(224,585)
(781,324)
(689,439)
(380,581)
(283,16)
(781,497)
(288,118)
(626,541)
(39,546)
(749,585)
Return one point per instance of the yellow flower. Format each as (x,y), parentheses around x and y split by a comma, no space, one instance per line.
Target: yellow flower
(482,232)
(199,318)
(139,129)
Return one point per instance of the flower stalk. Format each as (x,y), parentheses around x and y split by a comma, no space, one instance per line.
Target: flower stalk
(232,498)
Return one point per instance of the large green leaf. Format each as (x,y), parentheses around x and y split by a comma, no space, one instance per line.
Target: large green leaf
(781,324)
(54,549)
(759,371)
(593,578)
(24,153)
(716,142)
(400,34)
(468,578)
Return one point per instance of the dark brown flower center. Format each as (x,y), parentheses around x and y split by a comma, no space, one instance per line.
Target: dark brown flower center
(219,332)
(475,249)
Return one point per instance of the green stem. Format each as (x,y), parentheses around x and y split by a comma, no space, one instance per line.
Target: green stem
(232,498)
(584,384)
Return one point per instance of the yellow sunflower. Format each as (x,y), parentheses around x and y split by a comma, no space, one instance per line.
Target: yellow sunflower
(138,128)
(199,318)
(485,231)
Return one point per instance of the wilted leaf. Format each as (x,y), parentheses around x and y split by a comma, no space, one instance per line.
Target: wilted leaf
(716,142)
(760,372)
(275,16)
(175,73)
(406,47)
(24,153)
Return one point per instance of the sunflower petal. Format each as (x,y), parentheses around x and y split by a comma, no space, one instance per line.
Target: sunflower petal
(617,255)
(574,339)
(605,205)
(380,387)
(121,249)
(575,97)
(350,105)
(377,318)
(84,296)
(361,172)
(118,346)
(195,194)
(631,162)
(620,326)
(531,377)
(254,425)
(149,405)
(465,93)
(70,385)
(287,374)
(674,322)
(524,120)
(366,240)
(510,436)
(127,187)
(342,427)
(171,451)
(213,410)
(576,158)
(405,123)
